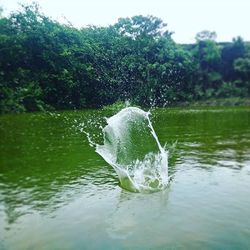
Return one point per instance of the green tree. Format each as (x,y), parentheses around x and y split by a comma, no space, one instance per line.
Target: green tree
(242,67)
(208,55)
(205,35)
(46,65)
(230,53)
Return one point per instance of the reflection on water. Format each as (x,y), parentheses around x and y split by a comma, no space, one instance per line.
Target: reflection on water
(55,191)
(44,161)
(136,209)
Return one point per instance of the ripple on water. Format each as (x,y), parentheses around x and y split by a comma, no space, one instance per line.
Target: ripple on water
(73,201)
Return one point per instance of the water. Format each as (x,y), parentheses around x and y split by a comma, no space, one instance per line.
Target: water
(140,166)
(56,192)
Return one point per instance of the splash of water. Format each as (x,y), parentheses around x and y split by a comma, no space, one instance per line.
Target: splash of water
(132,148)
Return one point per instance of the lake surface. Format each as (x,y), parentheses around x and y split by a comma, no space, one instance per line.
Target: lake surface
(56,192)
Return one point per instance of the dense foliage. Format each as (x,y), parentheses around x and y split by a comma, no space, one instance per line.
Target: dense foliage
(45,65)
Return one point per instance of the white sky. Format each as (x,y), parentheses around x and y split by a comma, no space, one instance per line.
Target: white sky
(229,18)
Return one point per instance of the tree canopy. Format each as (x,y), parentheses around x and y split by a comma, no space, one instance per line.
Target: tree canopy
(45,65)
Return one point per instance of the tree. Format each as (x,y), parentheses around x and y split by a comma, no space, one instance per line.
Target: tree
(242,67)
(230,53)
(1,12)
(46,65)
(141,26)
(208,55)
(206,35)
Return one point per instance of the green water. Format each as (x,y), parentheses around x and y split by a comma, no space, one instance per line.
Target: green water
(57,193)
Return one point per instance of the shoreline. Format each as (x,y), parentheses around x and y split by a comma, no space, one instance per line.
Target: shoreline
(217,102)
(210,103)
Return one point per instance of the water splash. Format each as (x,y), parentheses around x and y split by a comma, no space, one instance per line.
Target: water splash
(132,148)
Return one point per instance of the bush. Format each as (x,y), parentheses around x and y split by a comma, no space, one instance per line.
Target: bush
(229,89)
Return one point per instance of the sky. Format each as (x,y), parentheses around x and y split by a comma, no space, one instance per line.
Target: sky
(228,18)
